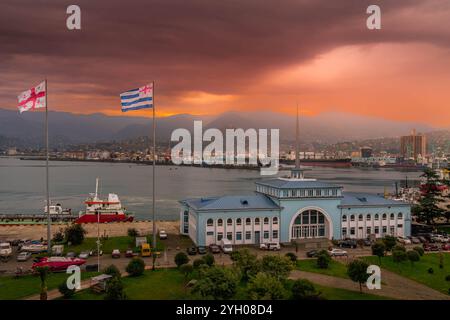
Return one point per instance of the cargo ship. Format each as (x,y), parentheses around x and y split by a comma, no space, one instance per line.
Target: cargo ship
(103,211)
(333,163)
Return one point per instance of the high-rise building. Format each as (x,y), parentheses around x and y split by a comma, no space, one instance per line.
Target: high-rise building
(413,145)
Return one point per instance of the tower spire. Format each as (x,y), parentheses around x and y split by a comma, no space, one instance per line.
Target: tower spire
(297,172)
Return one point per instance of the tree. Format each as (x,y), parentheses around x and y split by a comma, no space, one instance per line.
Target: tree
(186,269)
(399,256)
(198,262)
(389,242)
(399,247)
(303,289)
(357,271)
(265,287)
(431,197)
(114,289)
(217,283)
(43,274)
(278,267)
(135,267)
(413,256)
(181,258)
(58,236)
(132,232)
(292,257)
(209,259)
(323,259)
(419,250)
(246,262)
(378,249)
(75,234)
(112,270)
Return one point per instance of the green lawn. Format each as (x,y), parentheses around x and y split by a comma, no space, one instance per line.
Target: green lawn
(419,271)
(13,289)
(161,284)
(335,268)
(342,294)
(108,245)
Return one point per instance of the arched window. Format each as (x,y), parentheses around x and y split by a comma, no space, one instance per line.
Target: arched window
(392,216)
(384,216)
(360,217)
(274,220)
(257,221)
(352,217)
(266,220)
(248,221)
(238,221)
(368,217)
(377,217)
(400,215)
(344,218)
(219,222)
(209,223)
(309,224)
(229,222)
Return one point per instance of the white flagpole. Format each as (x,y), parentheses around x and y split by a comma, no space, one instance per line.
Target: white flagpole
(154,167)
(49,246)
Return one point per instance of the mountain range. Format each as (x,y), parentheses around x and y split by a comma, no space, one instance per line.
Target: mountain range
(26,130)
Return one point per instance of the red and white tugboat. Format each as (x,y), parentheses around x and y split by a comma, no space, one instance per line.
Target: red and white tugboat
(101,211)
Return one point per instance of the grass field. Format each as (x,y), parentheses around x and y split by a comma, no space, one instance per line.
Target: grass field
(419,271)
(13,289)
(335,268)
(121,243)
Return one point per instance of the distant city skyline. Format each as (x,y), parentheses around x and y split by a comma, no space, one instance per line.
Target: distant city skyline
(207,58)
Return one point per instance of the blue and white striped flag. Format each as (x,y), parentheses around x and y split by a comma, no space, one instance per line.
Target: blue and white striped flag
(137,98)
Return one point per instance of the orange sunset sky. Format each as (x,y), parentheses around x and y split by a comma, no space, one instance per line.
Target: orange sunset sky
(212,56)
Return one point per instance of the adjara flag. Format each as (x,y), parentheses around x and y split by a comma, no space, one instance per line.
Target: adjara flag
(33,98)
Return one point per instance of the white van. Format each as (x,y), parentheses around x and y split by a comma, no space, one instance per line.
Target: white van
(226,246)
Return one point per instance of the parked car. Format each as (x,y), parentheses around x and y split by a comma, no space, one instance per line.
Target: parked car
(71,255)
(146,251)
(5,250)
(201,250)
(94,253)
(403,240)
(162,235)
(23,256)
(270,246)
(129,253)
(415,240)
(430,247)
(115,253)
(214,248)
(446,247)
(58,250)
(83,255)
(226,246)
(349,243)
(192,251)
(337,252)
(422,239)
(368,242)
(312,253)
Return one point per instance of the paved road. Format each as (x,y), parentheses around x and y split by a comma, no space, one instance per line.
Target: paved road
(393,286)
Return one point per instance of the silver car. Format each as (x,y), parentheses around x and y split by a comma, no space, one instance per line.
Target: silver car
(23,256)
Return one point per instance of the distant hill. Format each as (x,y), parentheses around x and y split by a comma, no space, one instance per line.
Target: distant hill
(26,130)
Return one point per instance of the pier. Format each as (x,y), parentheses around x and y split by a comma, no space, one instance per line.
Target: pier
(20,219)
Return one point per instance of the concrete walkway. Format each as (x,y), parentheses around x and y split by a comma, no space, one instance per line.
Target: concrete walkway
(393,286)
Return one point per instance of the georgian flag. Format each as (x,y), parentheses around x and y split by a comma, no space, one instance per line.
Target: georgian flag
(136,99)
(33,98)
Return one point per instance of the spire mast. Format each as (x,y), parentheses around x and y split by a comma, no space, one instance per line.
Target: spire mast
(297,160)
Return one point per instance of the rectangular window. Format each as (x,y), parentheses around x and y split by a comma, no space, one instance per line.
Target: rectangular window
(392,230)
(186,229)
(275,234)
(344,232)
(399,226)
(322,231)
(384,229)
(334,192)
(230,235)
(313,218)
(352,231)
(317,192)
(210,233)
(266,234)
(305,218)
(219,236)
(321,218)
(310,193)
(377,230)
(248,235)
(369,230)
(238,235)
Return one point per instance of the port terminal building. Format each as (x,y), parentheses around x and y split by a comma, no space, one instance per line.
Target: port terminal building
(294,208)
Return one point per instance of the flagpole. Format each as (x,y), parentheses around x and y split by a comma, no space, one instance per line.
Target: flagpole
(49,246)
(154,167)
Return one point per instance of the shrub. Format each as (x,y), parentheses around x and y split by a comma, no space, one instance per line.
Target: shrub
(58,237)
(419,250)
(112,270)
(197,263)
(278,267)
(265,287)
(399,256)
(66,292)
(292,257)
(132,232)
(389,242)
(323,259)
(75,234)
(399,247)
(135,267)
(413,256)
(430,270)
(247,263)
(217,283)
(186,269)
(209,259)
(303,289)
(114,290)
(447,278)
(181,258)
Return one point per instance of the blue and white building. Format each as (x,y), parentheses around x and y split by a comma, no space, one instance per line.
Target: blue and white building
(294,208)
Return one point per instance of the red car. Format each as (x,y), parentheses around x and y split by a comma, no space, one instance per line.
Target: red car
(430,247)
(58,263)
(446,247)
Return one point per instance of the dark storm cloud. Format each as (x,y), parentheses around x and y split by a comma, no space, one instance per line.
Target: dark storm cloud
(213,46)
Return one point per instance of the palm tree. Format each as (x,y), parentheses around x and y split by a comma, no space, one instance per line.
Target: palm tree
(43,274)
